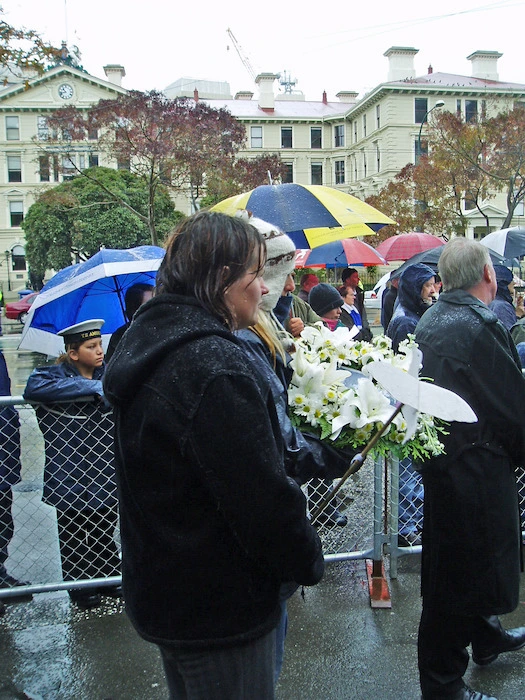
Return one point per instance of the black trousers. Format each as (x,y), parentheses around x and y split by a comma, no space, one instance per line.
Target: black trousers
(87,546)
(442,648)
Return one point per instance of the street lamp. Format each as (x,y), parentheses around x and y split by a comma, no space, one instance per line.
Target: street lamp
(439,103)
(7,262)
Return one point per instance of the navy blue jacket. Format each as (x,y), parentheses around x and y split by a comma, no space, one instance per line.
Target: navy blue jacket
(410,306)
(78,433)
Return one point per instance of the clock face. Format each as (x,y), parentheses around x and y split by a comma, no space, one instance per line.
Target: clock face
(65,91)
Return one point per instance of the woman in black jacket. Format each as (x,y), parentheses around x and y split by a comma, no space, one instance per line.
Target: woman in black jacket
(211,526)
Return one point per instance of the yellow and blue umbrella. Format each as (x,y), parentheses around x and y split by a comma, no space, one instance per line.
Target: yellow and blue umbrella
(312,215)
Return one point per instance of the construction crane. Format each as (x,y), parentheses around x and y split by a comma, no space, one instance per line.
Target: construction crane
(246,63)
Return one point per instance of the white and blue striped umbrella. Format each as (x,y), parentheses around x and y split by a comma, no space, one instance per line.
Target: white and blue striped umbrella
(91,289)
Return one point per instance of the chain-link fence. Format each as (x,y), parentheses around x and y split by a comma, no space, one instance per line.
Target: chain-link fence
(64,530)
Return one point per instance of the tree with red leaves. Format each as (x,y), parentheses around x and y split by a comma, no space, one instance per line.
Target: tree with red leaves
(177,143)
(490,150)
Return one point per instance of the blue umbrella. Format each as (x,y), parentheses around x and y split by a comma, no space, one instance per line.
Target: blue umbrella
(91,289)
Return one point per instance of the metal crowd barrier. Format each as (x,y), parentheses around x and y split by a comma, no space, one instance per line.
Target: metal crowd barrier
(369,499)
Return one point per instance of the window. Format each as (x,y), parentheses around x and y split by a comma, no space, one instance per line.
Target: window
(12,129)
(93,160)
(316,172)
(44,168)
(42,129)
(256,137)
(378,158)
(469,202)
(92,134)
(68,167)
(18,258)
(339,172)
(365,169)
(420,150)
(458,108)
(16,211)
(14,169)
(286,137)
(339,135)
(355,169)
(378,116)
(420,109)
(364,125)
(355,131)
(315,137)
(471,110)
(288,174)
(123,164)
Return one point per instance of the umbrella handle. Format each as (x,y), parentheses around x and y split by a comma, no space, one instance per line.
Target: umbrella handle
(355,465)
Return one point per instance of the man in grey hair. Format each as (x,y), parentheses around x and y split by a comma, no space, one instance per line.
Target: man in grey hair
(471,532)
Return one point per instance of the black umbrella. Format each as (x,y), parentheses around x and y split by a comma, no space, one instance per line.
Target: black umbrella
(431,258)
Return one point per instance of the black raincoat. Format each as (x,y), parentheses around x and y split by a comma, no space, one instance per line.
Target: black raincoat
(471,532)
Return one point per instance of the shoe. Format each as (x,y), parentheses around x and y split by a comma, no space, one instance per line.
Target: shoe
(467,693)
(86,601)
(411,539)
(110,591)
(511,640)
(7,581)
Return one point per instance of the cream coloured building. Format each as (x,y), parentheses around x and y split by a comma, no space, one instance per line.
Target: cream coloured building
(355,144)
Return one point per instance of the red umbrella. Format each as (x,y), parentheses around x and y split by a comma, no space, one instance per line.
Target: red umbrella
(405,245)
(349,251)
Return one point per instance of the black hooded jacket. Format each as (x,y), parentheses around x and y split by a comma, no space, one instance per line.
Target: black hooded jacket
(210,523)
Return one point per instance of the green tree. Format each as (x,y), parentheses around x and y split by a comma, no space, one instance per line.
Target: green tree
(178,143)
(75,219)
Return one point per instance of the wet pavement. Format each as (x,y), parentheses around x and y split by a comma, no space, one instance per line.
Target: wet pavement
(338,647)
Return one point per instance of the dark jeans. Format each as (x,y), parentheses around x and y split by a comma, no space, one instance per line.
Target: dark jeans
(87,545)
(442,648)
(6,526)
(233,673)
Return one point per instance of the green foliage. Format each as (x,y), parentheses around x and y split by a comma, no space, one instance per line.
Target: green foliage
(78,217)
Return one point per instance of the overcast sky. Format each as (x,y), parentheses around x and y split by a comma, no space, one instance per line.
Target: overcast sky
(324,46)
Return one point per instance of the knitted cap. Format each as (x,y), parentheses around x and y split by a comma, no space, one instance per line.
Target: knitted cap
(323,298)
(280,259)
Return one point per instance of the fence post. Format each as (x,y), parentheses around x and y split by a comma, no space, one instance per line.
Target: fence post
(377,583)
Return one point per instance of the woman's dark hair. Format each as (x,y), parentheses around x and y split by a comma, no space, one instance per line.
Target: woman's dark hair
(205,255)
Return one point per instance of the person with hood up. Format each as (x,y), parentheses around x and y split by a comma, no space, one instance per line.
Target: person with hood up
(503,304)
(211,525)
(415,294)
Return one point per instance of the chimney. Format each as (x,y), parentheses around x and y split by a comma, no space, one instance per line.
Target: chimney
(196,95)
(430,70)
(115,73)
(243,95)
(347,95)
(325,98)
(485,64)
(265,82)
(400,63)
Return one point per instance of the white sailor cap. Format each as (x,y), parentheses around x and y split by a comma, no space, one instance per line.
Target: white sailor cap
(82,331)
